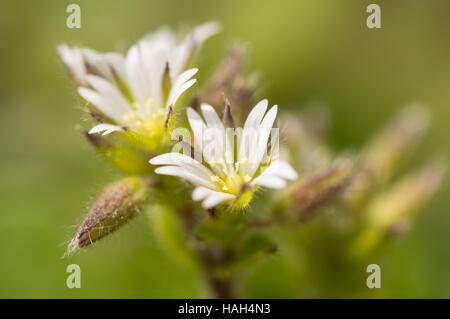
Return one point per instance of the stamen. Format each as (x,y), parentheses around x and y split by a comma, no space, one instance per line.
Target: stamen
(129,116)
(149,102)
(229,115)
(188,148)
(244,160)
(169,114)
(135,105)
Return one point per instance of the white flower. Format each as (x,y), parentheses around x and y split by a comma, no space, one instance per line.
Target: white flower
(139,89)
(83,61)
(147,112)
(222,176)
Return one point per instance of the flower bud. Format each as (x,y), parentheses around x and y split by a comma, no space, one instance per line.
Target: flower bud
(379,158)
(230,81)
(405,197)
(390,212)
(307,195)
(117,204)
(384,151)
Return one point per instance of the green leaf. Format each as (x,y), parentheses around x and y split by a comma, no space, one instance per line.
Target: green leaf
(254,247)
(225,228)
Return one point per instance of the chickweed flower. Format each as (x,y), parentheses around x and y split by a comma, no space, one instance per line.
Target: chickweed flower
(137,92)
(224,171)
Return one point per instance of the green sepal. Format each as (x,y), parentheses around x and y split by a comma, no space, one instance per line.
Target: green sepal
(124,156)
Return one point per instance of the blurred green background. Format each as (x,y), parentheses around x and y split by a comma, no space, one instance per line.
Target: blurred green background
(306,51)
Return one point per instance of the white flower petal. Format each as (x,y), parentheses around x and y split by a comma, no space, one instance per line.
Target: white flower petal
(256,114)
(285,170)
(185,76)
(103,105)
(200,193)
(215,136)
(210,115)
(181,84)
(246,148)
(163,39)
(110,93)
(214,199)
(117,63)
(98,62)
(181,54)
(281,169)
(263,137)
(175,92)
(198,127)
(106,128)
(182,160)
(186,174)
(135,74)
(206,30)
(269,181)
(73,59)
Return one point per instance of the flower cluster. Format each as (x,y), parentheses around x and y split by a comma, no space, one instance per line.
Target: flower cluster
(137,93)
(138,102)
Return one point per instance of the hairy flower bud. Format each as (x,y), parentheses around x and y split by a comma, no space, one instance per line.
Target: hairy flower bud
(378,159)
(384,151)
(405,197)
(308,194)
(390,212)
(230,81)
(117,204)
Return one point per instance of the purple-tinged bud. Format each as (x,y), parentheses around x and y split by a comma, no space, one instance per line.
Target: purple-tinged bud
(118,203)
(311,193)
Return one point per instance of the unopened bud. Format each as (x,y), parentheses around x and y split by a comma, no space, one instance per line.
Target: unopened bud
(303,137)
(307,195)
(384,151)
(230,81)
(224,76)
(404,198)
(390,213)
(118,203)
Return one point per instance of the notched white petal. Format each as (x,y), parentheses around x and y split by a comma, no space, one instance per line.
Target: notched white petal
(200,193)
(216,198)
(206,30)
(285,170)
(105,128)
(256,114)
(210,115)
(269,181)
(186,174)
